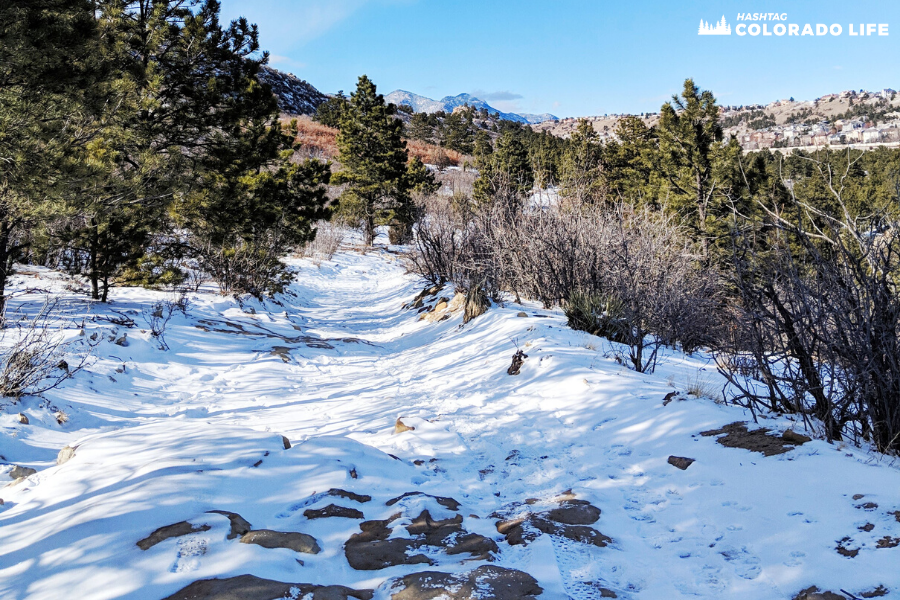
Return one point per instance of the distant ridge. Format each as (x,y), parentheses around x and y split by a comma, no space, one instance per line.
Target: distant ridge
(448,103)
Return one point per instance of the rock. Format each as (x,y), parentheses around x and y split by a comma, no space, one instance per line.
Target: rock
(21,472)
(239,525)
(858,496)
(843,550)
(286,442)
(374,548)
(797,439)
(867,527)
(570,521)
(361,498)
(441,305)
(496,583)
(738,436)
(333,510)
(380,554)
(249,587)
(521,314)
(477,303)
(575,512)
(298,542)
(122,341)
(813,593)
(681,462)
(65,455)
(449,503)
(169,531)
(669,397)
(888,542)
(517,360)
(400,427)
(22,419)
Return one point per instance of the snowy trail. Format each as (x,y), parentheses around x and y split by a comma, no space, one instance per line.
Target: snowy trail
(164,436)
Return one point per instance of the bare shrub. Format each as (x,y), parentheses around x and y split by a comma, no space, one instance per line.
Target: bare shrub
(35,361)
(327,242)
(818,332)
(159,315)
(628,275)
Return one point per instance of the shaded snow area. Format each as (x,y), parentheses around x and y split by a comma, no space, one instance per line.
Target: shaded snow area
(554,483)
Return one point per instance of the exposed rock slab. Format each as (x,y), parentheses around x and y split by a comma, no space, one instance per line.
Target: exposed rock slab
(448,503)
(487,581)
(249,587)
(168,532)
(239,525)
(736,435)
(333,510)
(680,462)
(293,540)
(569,520)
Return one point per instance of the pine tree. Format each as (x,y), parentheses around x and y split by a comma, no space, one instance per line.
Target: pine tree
(505,173)
(581,166)
(689,131)
(329,112)
(373,161)
(183,94)
(46,62)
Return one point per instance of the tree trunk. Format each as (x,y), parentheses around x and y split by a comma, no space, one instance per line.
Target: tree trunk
(94,274)
(5,230)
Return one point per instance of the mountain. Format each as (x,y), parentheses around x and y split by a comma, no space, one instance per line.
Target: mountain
(448,103)
(295,96)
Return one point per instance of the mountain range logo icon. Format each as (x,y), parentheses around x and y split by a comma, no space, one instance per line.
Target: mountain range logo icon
(720,28)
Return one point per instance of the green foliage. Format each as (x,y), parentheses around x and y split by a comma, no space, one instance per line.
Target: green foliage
(373,161)
(329,112)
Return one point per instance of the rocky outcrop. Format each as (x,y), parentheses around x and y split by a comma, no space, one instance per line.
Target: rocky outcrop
(170,531)
(333,510)
(249,587)
(570,519)
(487,581)
(292,540)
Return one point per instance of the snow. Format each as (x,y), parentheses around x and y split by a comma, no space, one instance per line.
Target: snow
(165,436)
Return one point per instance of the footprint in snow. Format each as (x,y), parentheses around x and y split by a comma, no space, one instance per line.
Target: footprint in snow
(190,549)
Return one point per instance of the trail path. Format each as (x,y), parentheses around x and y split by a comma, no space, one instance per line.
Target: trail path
(164,436)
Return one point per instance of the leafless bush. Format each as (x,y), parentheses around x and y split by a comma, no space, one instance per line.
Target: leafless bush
(327,242)
(35,361)
(819,330)
(627,275)
(159,315)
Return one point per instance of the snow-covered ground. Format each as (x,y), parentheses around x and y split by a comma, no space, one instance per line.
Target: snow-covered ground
(163,436)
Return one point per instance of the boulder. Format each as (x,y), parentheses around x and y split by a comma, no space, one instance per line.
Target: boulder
(286,443)
(680,462)
(249,587)
(22,419)
(65,455)
(170,531)
(448,503)
(292,540)
(488,581)
(575,512)
(239,525)
(400,427)
(21,472)
(361,498)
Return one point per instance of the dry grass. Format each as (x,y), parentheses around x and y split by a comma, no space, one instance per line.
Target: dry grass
(319,141)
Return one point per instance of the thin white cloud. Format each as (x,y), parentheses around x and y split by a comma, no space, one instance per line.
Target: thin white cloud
(499,96)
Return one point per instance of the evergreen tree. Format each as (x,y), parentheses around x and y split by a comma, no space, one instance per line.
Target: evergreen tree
(373,161)
(581,166)
(689,131)
(47,51)
(505,173)
(329,112)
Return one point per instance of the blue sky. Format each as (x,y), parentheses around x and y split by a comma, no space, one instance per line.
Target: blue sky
(570,57)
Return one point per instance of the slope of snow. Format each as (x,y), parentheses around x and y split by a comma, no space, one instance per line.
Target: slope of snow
(165,436)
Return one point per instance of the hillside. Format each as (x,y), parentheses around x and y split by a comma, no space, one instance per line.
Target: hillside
(861,119)
(295,96)
(412,460)
(448,103)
